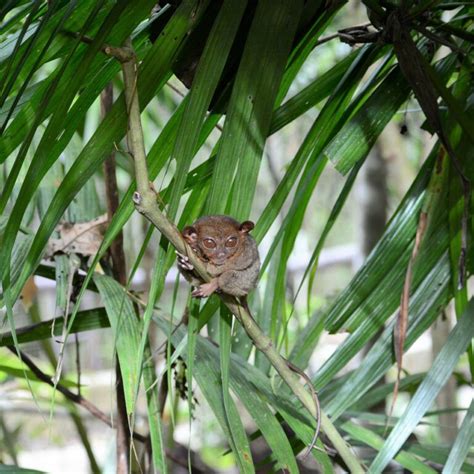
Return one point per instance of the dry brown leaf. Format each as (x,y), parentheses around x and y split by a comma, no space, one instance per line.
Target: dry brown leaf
(28,293)
(80,238)
(412,65)
(400,331)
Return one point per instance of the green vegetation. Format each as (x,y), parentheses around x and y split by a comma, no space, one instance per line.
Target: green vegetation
(71,145)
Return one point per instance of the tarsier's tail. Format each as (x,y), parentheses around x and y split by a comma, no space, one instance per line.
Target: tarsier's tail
(317,405)
(307,380)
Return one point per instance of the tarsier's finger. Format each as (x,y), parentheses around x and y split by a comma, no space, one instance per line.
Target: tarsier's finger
(185,265)
(184,262)
(181,255)
(197,293)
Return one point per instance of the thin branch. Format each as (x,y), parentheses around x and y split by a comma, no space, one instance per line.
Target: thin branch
(122,54)
(89,406)
(145,200)
(350,35)
(119,273)
(182,94)
(78,362)
(175,89)
(71,407)
(440,40)
(73,397)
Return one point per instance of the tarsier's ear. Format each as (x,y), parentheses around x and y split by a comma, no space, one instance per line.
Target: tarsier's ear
(246,226)
(189,234)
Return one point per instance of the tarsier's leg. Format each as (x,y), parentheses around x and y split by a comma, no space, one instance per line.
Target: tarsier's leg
(202,290)
(206,289)
(234,283)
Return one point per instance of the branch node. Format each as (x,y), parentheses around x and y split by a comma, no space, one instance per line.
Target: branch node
(137,198)
(123,54)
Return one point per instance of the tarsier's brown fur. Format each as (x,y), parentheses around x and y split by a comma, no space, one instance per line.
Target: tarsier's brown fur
(230,255)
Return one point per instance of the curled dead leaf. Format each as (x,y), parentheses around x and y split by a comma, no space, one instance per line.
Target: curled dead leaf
(82,238)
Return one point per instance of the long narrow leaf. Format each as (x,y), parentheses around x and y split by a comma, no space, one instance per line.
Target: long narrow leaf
(358,136)
(154,73)
(251,105)
(85,321)
(462,444)
(126,328)
(408,461)
(437,376)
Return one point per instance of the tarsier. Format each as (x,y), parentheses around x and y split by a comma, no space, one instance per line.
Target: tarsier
(230,255)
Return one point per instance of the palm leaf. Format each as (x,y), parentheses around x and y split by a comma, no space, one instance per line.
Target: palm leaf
(250,57)
(441,369)
(462,443)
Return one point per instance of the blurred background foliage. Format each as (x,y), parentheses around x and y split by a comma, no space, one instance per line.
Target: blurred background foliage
(338,127)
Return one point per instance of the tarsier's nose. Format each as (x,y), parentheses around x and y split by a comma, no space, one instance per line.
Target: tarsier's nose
(221,255)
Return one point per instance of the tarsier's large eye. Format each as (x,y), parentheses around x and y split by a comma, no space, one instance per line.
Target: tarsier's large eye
(231,242)
(209,243)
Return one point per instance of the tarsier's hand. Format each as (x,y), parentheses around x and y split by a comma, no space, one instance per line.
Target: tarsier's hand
(183,262)
(203,290)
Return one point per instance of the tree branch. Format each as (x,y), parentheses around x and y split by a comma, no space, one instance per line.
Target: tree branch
(86,404)
(119,273)
(145,200)
(73,397)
